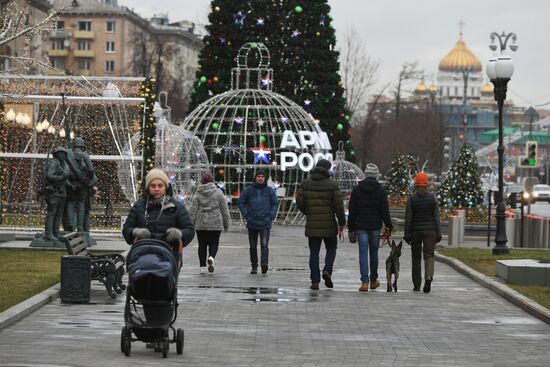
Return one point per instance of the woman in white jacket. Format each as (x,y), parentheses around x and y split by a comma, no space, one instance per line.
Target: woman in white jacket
(210,215)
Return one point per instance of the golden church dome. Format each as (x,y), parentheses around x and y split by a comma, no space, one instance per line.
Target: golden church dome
(433,88)
(420,88)
(487,88)
(459,58)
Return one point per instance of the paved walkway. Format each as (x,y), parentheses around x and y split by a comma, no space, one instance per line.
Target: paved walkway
(233,318)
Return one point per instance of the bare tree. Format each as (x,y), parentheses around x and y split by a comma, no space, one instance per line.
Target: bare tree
(409,72)
(14,24)
(359,73)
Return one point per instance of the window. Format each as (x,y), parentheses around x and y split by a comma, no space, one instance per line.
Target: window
(110,46)
(109,65)
(85,25)
(58,45)
(84,45)
(83,64)
(456,91)
(110,26)
(59,25)
(58,63)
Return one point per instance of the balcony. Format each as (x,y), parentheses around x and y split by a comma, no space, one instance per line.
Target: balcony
(57,53)
(59,34)
(84,35)
(84,53)
(83,72)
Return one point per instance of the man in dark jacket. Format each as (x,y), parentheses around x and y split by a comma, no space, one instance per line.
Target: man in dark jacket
(320,199)
(258,205)
(368,207)
(422,228)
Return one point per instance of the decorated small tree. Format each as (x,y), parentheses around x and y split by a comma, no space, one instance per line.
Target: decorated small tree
(399,178)
(149,127)
(462,187)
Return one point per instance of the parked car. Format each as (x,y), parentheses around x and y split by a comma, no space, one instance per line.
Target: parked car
(541,193)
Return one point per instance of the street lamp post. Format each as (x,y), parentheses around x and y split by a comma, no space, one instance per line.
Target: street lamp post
(499,70)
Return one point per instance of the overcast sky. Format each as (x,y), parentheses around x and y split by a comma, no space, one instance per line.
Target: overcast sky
(396,31)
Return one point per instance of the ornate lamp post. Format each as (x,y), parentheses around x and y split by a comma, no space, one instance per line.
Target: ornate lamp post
(499,70)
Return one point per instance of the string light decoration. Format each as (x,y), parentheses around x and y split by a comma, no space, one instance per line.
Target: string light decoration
(237,126)
(399,179)
(345,173)
(462,186)
(306,64)
(103,125)
(148,128)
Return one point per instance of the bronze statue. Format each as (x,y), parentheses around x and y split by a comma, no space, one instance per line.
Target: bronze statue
(56,172)
(82,179)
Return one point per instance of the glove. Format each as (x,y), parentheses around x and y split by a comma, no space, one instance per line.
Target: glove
(141,233)
(173,236)
(407,238)
(438,239)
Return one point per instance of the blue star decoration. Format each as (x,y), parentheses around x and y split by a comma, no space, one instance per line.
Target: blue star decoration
(265,82)
(261,154)
(239,19)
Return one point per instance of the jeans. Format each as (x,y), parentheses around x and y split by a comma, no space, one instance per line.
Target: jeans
(264,250)
(208,240)
(368,245)
(422,243)
(314,249)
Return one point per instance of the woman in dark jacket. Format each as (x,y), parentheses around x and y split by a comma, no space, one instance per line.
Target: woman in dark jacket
(158,215)
(422,231)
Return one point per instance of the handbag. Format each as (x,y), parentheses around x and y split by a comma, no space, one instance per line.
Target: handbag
(352,236)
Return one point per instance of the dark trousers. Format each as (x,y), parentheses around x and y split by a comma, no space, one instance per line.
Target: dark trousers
(314,249)
(209,242)
(264,250)
(422,243)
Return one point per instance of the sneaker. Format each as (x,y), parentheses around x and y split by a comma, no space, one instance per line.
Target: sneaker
(210,262)
(254,270)
(427,285)
(374,284)
(364,287)
(327,279)
(314,286)
(264,269)
(203,269)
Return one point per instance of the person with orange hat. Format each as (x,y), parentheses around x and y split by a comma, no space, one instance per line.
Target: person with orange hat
(422,231)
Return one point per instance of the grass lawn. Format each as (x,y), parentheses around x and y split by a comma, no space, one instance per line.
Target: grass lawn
(484,261)
(24,273)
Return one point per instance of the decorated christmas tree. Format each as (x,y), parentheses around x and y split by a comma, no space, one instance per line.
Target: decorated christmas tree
(149,127)
(301,41)
(462,187)
(399,177)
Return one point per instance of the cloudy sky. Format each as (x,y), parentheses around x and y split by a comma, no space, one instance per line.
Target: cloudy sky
(397,31)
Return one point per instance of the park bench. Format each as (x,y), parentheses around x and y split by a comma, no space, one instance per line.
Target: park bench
(106,268)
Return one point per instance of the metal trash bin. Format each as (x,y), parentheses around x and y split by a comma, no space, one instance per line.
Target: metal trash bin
(510,225)
(454,230)
(461,213)
(75,279)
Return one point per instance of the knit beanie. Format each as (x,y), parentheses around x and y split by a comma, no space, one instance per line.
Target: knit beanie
(372,170)
(206,178)
(324,163)
(259,172)
(155,174)
(421,179)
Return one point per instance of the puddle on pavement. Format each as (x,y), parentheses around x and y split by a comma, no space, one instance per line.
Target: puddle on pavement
(268,294)
(289,269)
(505,321)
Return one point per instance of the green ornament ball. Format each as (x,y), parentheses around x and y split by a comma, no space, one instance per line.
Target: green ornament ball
(203,79)
(347,117)
(298,9)
(262,138)
(215,125)
(340,127)
(253,45)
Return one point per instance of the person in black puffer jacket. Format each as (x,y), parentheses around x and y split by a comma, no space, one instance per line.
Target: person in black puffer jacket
(158,215)
(368,208)
(422,231)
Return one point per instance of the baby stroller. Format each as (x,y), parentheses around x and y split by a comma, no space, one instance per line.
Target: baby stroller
(151,296)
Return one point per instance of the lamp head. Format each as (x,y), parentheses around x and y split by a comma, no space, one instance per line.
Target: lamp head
(504,66)
(490,67)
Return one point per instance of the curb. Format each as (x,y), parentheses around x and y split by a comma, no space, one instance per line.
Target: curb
(20,310)
(501,289)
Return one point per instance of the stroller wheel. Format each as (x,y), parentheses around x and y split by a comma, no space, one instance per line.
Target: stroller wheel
(165,345)
(179,341)
(125,342)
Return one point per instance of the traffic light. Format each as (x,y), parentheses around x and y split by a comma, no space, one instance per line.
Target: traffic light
(530,157)
(447,147)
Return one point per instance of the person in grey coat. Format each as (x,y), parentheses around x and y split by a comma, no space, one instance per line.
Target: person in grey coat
(210,215)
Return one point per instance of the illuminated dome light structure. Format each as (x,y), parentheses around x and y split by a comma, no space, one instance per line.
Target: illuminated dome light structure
(251,128)
(345,173)
(178,152)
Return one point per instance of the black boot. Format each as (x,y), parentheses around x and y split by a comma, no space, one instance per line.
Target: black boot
(427,285)
(254,270)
